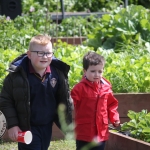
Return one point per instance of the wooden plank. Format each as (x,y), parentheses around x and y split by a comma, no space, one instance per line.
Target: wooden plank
(119,141)
(132,101)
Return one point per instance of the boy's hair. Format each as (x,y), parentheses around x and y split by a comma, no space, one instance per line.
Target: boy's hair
(39,40)
(92,58)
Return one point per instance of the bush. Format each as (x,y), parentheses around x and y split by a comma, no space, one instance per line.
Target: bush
(139,125)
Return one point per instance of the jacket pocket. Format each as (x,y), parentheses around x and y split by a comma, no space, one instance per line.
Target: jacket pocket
(83,128)
(104,127)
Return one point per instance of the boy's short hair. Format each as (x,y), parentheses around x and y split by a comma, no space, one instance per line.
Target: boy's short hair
(39,40)
(92,58)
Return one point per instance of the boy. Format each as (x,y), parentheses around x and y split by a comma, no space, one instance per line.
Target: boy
(35,86)
(94,103)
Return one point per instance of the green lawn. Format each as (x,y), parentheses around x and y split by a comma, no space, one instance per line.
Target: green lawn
(55,145)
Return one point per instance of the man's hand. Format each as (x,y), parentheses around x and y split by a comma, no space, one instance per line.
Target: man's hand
(13,133)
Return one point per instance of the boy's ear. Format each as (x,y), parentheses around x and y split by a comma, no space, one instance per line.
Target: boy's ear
(84,71)
(29,54)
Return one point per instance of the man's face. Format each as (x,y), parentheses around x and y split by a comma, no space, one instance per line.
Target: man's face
(94,73)
(38,61)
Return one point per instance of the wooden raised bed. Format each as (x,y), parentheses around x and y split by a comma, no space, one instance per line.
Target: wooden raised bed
(132,101)
(69,40)
(119,141)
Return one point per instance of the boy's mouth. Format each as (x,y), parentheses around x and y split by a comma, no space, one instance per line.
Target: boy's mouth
(43,61)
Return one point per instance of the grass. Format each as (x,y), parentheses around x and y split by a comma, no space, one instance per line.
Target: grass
(55,145)
(62,145)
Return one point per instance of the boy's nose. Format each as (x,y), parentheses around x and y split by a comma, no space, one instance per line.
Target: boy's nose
(45,55)
(97,74)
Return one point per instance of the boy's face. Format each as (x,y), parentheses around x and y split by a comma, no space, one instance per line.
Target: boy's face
(40,63)
(94,73)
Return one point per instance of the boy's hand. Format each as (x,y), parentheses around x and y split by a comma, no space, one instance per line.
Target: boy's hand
(13,133)
(116,123)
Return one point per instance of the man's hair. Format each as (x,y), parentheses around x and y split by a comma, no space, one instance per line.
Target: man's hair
(39,40)
(92,58)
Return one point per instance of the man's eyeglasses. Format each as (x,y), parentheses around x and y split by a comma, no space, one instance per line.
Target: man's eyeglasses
(42,54)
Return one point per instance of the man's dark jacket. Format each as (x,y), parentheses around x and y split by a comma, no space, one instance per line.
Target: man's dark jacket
(15,95)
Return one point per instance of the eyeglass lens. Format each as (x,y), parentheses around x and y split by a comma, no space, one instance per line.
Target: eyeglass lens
(41,54)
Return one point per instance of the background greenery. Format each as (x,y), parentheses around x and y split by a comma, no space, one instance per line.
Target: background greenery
(123,26)
(87,5)
(138,125)
(121,36)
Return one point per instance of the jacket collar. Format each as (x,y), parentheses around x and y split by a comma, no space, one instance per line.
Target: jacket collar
(104,86)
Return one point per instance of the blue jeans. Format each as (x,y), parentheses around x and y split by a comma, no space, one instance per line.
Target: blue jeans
(98,146)
(41,138)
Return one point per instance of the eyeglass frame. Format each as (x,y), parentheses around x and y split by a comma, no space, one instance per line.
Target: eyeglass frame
(44,53)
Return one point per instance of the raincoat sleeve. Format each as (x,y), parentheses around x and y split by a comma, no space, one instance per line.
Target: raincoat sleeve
(75,94)
(112,106)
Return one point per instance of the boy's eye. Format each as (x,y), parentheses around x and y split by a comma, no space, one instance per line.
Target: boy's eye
(42,53)
(95,71)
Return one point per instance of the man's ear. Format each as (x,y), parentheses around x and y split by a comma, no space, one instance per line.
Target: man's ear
(29,54)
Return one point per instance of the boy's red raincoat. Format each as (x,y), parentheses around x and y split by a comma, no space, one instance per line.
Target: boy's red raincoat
(94,103)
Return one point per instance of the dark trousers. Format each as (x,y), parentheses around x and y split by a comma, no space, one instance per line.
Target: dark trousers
(89,145)
(41,138)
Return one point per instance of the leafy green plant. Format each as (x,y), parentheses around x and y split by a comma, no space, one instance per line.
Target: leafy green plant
(118,68)
(55,5)
(123,26)
(133,52)
(13,36)
(139,125)
(5,58)
(95,5)
(29,6)
(75,26)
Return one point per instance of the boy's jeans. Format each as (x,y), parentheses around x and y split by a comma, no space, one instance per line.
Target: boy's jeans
(41,138)
(89,146)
